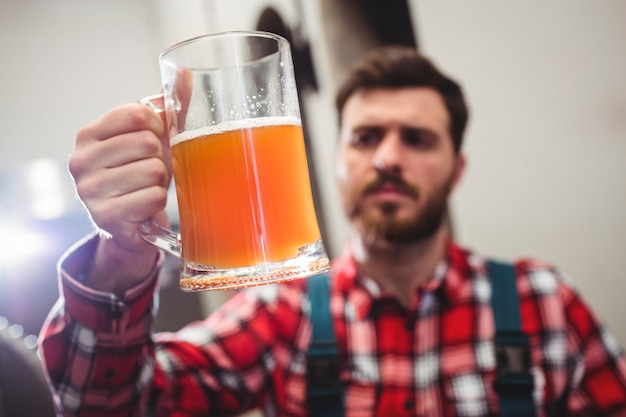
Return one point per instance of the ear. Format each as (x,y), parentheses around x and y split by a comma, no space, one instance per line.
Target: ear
(459,169)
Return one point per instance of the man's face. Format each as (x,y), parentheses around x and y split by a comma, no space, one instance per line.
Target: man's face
(396,163)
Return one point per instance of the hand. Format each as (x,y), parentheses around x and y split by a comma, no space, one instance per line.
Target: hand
(121,166)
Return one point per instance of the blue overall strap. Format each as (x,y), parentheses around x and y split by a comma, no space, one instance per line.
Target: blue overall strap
(514,382)
(324,388)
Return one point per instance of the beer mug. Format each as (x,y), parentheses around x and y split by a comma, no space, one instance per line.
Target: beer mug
(240,169)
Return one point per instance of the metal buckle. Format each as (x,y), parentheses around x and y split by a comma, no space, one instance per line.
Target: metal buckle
(513,364)
(512,359)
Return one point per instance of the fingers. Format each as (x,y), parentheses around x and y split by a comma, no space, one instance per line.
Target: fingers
(120,216)
(117,151)
(118,180)
(122,119)
(121,170)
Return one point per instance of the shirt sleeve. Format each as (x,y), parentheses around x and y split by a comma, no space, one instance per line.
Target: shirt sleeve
(95,346)
(102,359)
(598,378)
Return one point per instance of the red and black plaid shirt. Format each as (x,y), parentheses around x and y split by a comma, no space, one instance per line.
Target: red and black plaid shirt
(435,358)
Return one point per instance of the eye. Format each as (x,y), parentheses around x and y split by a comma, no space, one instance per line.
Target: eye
(418,138)
(365,138)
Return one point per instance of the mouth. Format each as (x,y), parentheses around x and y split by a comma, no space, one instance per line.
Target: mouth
(390,190)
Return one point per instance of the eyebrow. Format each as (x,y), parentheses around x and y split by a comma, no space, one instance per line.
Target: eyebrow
(418,129)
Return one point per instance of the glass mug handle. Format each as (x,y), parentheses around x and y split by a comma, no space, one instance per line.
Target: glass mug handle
(160,237)
(151,232)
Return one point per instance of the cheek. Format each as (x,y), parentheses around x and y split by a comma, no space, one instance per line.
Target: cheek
(348,174)
(345,182)
(348,170)
(341,171)
(434,170)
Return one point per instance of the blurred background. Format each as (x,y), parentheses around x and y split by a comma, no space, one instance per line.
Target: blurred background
(546,144)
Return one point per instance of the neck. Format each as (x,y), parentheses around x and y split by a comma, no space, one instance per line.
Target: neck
(400,269)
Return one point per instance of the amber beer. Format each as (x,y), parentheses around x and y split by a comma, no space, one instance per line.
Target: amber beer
(244,193)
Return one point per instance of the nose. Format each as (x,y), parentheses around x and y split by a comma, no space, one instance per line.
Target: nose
(388,154)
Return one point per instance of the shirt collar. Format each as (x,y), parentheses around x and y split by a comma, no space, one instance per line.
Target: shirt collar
(450,281)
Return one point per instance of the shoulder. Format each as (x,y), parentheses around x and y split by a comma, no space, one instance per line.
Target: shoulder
(536,278)
(549,302)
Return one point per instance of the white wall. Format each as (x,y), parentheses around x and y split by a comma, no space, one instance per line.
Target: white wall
(63,63)
(546,83)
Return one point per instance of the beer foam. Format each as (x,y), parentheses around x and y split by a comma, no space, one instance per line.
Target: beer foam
(235,125)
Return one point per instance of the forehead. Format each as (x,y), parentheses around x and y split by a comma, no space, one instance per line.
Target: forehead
(422,107)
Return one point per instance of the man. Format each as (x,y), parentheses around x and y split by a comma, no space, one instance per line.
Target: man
(411,309)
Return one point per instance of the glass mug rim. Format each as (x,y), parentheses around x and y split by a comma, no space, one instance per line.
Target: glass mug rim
(281,42)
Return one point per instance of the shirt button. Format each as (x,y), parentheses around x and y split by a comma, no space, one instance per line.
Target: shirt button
(409,404)
(109,373)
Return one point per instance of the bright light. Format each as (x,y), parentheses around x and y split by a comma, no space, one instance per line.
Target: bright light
(46,184)
(16,331)
(30,341)
(17,244)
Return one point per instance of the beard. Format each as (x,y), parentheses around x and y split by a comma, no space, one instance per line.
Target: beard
(381,223)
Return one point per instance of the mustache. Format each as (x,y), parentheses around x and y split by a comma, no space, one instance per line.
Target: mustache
(384,180)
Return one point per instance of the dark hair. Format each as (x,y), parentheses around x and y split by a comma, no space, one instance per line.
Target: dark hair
(403,66)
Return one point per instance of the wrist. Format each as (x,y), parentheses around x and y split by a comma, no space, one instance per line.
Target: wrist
(116,268)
